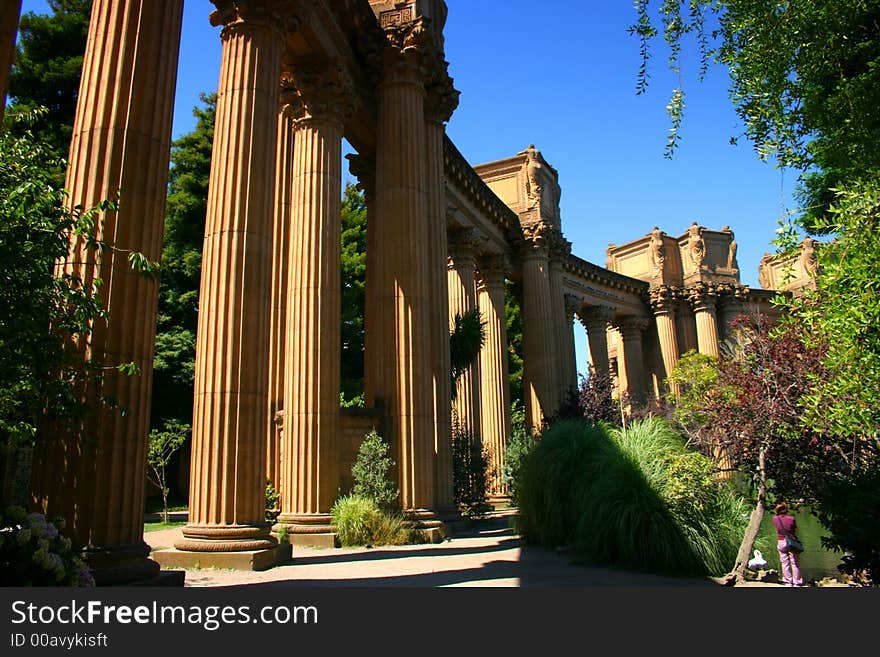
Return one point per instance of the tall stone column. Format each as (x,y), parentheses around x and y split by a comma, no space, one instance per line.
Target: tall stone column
(441,101)
(363,167)
(230,418)
(595,320)
(663,301)
(702,298)
(568,356)
(494,375)
(405,388)
(320,107)
(557,301)
(462,286)
(9,13)
(278,292)
(732,305)
(632,329)
(540,378)
(686,328)
(93,475)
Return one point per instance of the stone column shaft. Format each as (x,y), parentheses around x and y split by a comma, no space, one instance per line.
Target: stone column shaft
(439,305)
(280,265)
(665,320)
(311,418)
(564,339)
(230,418)
(540,386)
(405,388)
(707,324)
(93,475)
(9,13)
(495,378)
(462,286)
(631,331)
(595,320)
(686,328)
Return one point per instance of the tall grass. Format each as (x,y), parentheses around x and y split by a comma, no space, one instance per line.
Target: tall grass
(360,521)
(634,498)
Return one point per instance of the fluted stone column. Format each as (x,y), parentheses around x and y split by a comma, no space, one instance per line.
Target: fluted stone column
(595,320)
(230,418)
(441,102)
(632,329)
(732,306)
(557,300)
(363,167)
(312,370)
(462,286)
(540,379)
(663,302)
(9,13)
(405,388)
(568,357)
(278,292)
(92,475)
(702,299)
(686,328)
(494,376)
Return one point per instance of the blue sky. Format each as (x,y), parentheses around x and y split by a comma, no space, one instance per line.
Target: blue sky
(562,75)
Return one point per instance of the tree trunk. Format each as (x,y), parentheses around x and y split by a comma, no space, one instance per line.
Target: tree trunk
(754,526)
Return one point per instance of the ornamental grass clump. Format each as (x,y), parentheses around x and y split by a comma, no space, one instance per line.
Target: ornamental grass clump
(634,498)
(360,521)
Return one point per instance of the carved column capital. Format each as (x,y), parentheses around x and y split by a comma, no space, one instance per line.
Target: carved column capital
(492,268)
(664,299)
(632,327)
(318,90)
(573,304)
(595,318)
(464,244)
(702,296)
(279,15)
(538,239)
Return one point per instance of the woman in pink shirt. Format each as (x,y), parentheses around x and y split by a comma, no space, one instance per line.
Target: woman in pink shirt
(784,523)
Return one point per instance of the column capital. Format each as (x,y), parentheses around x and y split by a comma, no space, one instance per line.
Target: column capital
(492,268)
(632,326)
(464,244)
(541,239)
(573,304)
(317,90)
(702,297)
(664,299)
(595,318)
(363,167)
(280,15)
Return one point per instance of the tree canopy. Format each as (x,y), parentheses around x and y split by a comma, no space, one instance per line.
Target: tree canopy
(48,67)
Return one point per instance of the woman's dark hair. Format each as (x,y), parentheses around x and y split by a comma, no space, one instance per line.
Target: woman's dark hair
(781,508)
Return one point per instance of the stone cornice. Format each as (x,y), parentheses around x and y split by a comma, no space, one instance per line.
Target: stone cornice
(595,274)
(462,176)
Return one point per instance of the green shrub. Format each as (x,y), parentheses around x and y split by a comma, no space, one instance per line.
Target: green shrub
(470,475)
(34,553)
(371,472)
(273,500)
(521,443)
(634,498)
(360,521)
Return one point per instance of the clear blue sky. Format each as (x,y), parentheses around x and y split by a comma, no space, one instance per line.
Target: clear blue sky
(562,75)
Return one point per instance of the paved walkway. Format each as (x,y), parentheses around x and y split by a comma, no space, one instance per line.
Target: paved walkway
(490,555)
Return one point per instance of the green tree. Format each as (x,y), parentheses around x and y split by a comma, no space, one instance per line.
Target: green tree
(44,315)
(513,317)
(354,268)
(48,68)
(371,470)
(161,446)
(185,211)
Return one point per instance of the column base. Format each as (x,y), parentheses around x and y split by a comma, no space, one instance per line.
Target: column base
(499,501)
(425,523)
(225,538)
(120,564)
(453,522)
(239,560)
(314,530)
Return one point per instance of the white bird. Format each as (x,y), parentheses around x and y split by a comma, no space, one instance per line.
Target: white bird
(758,561)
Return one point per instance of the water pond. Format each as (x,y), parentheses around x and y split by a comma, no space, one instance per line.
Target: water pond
(815,562)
